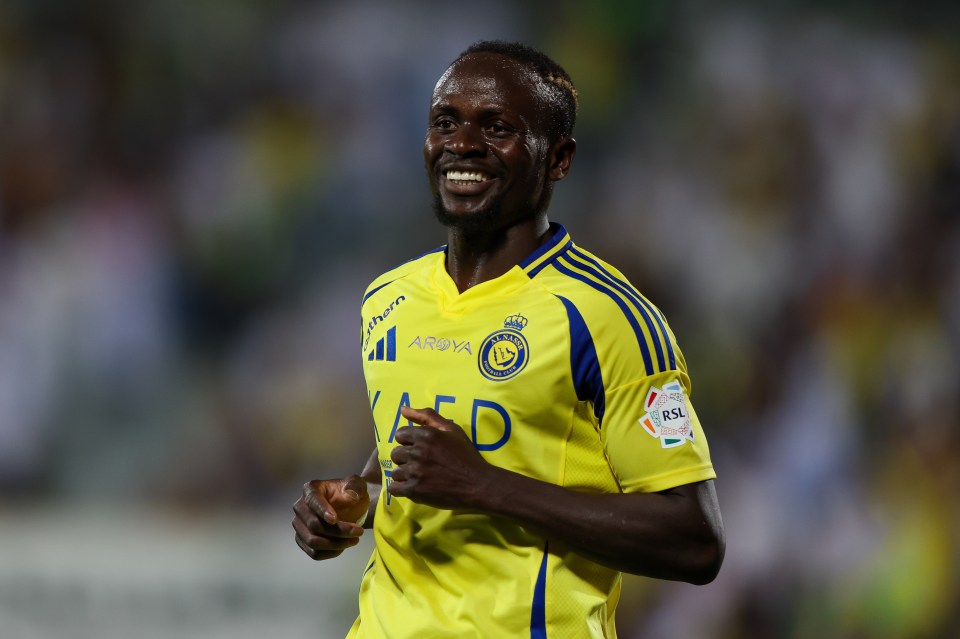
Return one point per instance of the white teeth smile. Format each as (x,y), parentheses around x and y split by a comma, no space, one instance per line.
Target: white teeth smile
(466,176)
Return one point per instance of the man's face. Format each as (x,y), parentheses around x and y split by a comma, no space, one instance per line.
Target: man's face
(486,146)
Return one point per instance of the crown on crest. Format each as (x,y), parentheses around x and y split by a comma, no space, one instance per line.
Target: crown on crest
(516,322)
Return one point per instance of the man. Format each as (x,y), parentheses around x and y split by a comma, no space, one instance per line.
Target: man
(533,430)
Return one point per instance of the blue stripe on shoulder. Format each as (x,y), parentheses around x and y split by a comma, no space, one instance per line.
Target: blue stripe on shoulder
(641,339)
(533,272)
(430,252)
(538,607)
(413,259)
(558,234)
(642,305)
(587,377)
(369,293)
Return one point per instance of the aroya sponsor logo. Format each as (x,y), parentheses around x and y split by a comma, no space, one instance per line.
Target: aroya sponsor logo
(376,319)
(433,343)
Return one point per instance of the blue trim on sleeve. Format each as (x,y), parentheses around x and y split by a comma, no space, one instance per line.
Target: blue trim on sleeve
(538,608)
(587,377)
(367,569)
(373,561)
(641,339)
(642,305)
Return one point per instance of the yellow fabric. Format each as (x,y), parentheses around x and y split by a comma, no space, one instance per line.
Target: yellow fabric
(496,360)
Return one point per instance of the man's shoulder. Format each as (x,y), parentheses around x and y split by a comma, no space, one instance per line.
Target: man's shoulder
(584,278)
(401,271)
(610,307)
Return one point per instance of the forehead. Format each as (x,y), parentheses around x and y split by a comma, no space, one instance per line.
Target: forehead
(489,78)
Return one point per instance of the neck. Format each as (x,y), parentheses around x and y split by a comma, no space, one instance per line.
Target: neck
(476,257)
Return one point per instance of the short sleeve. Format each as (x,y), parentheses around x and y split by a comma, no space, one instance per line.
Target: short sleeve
(652,436)
(626,363)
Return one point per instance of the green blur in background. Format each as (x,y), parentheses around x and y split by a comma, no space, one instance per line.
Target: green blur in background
(194,195)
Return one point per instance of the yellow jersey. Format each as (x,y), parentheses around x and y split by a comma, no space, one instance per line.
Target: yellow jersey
(559,370)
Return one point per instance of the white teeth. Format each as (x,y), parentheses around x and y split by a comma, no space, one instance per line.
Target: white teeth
(466,176)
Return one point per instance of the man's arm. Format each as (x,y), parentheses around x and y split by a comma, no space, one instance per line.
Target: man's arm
(331,514)
(674,534)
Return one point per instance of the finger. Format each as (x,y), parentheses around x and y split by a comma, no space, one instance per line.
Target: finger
(427,417)
(355,487)
(415,415)
(308,517)
(317,555)
(316,526)
(337,538)
(406,435)
(318,504)
(399,475)
(401,454)
(398,488)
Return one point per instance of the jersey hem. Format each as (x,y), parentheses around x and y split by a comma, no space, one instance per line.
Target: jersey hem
(671,479)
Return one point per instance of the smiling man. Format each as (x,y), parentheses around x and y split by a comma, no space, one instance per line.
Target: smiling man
(533,428)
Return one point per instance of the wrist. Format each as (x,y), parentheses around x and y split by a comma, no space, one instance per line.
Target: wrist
(490,490)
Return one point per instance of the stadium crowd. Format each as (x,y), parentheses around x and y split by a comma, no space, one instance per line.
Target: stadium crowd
(193,197)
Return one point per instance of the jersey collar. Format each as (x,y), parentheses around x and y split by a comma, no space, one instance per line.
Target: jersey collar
(513,280)
(558,243)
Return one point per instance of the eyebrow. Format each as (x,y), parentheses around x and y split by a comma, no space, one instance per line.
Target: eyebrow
(446,107)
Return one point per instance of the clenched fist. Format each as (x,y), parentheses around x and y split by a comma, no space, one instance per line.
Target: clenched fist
(328,516)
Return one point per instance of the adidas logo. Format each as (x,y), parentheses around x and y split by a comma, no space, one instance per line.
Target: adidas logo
(386,348)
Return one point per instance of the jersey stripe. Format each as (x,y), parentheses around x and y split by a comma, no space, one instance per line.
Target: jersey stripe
(367,569)
(538,609)
(547,262)
(584,364)
(413,259)
(642,305)
(536,261)
(369,293)
(442,247)
(561,264)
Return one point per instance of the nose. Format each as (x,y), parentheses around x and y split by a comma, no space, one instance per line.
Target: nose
(467,140)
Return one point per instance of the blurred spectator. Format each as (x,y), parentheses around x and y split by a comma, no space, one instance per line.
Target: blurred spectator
(193,196)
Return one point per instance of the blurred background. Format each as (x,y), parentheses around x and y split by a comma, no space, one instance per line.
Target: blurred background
(194,195)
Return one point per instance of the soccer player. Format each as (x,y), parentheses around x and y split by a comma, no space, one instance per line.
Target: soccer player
(534,434)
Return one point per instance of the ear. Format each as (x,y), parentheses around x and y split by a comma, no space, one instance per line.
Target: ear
(561,157)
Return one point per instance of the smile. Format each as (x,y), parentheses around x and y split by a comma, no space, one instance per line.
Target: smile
(467,177)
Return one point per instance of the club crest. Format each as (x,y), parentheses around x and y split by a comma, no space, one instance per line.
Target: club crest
(505,352)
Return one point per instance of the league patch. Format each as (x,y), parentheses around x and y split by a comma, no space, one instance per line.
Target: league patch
(667,417)
(504,353)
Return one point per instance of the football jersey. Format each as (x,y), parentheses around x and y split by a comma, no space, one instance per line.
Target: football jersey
(559,370)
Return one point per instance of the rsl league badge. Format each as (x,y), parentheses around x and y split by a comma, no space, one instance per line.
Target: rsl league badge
(667,417)
(504,353)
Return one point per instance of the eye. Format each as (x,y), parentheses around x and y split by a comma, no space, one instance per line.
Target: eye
(444,124)
(498,129)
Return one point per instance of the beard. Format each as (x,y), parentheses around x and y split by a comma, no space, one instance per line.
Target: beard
(476,223)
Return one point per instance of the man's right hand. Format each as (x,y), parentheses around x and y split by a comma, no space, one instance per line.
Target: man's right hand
(325,515)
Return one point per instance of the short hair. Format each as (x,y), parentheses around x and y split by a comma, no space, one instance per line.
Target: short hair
(564,103)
